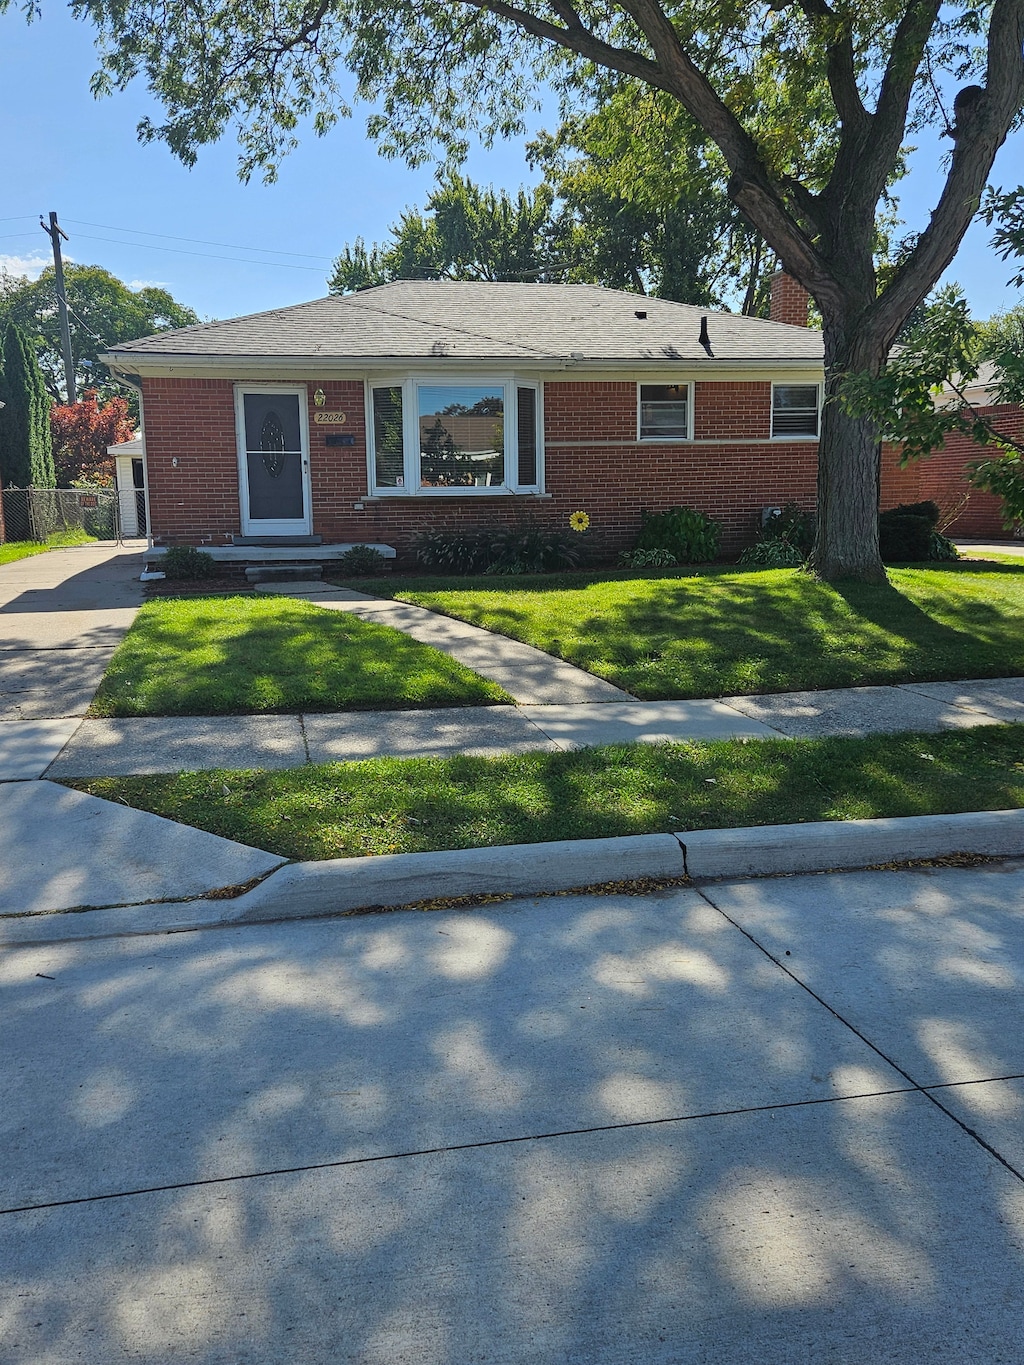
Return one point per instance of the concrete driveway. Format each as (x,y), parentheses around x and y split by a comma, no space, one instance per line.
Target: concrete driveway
(62,615)
(774,1121)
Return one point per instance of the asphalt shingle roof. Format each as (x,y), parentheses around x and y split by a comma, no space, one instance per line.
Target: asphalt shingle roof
(412,319)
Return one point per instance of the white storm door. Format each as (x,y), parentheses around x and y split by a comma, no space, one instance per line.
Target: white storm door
(273,454)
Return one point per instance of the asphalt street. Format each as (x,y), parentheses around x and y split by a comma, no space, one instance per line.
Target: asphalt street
(773,1121)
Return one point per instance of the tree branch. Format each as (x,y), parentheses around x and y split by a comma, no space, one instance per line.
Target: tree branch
(973,155)
(841,69)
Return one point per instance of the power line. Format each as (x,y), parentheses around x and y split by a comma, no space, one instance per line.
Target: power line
(197,241)
(178,251)
(18,218)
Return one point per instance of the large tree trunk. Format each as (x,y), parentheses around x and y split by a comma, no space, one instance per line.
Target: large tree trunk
(846,543)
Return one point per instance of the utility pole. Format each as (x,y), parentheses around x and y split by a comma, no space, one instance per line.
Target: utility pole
(55,232)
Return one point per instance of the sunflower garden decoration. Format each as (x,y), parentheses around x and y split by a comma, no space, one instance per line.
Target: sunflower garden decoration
(578,521)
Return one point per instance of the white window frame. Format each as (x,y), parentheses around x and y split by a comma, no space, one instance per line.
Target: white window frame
(410,385)
(794,435)
(686,384)
(283,527)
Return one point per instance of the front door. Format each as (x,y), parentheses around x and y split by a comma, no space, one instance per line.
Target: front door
(274,461)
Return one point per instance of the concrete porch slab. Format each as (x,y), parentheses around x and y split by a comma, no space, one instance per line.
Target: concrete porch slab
(74,850)
(28,747)
(268,554)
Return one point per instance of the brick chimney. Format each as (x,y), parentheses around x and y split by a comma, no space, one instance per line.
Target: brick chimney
(789,300)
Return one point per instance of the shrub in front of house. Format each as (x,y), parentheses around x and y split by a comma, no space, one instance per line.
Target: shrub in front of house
(186,562)
(361,561)
(692,536)
(783,540)
(910,533)
(775,552)
(790,523)
(523,548)
(648,559)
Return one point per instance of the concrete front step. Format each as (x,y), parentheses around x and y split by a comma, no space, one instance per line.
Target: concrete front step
(284,573)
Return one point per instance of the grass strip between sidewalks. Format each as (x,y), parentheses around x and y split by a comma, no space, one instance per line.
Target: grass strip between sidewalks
(723,631)
(343,810)
(250,655)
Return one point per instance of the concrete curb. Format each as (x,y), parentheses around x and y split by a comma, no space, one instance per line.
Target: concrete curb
(770,850)
(315,890)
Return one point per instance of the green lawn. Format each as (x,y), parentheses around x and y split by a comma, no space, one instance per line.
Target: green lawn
(11,550)
(343,810)
(241,655)
(723,631)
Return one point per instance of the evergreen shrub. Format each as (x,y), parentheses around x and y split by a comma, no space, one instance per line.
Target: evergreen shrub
(186,562)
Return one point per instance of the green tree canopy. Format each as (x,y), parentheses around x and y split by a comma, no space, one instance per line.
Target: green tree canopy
(26,452)
(754,75)
(471,234)
(104,311)
(614,209)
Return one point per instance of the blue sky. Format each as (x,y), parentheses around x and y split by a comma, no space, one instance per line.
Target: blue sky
(62,149)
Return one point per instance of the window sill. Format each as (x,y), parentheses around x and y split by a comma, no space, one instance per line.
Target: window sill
(456,493)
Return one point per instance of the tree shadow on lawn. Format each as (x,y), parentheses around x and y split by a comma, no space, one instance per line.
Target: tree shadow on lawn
(733,632)
(219,658)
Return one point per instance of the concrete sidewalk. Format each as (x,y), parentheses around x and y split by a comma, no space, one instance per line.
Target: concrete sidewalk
(111,748)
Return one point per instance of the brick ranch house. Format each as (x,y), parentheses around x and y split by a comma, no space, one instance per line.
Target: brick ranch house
(366,418)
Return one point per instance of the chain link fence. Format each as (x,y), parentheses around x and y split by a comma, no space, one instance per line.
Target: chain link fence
(55,514)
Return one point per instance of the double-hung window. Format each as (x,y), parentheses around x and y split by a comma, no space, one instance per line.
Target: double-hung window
(795,409)
(476,436)
(664,412)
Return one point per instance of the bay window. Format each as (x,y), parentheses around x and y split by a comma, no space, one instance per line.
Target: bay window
(474,436)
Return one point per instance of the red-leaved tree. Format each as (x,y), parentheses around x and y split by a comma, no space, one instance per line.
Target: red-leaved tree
(81,433)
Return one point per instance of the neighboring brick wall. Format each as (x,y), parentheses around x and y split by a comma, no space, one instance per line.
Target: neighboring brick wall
(941,478)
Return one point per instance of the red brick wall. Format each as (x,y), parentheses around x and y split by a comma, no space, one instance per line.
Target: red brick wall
(941,478)
(593,463)
(789,300)
(192,420)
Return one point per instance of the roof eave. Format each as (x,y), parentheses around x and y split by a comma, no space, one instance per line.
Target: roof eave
(139,362)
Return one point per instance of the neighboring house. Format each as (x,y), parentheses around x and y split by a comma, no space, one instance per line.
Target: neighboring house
(130,482)
(942,477)
(368,417)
